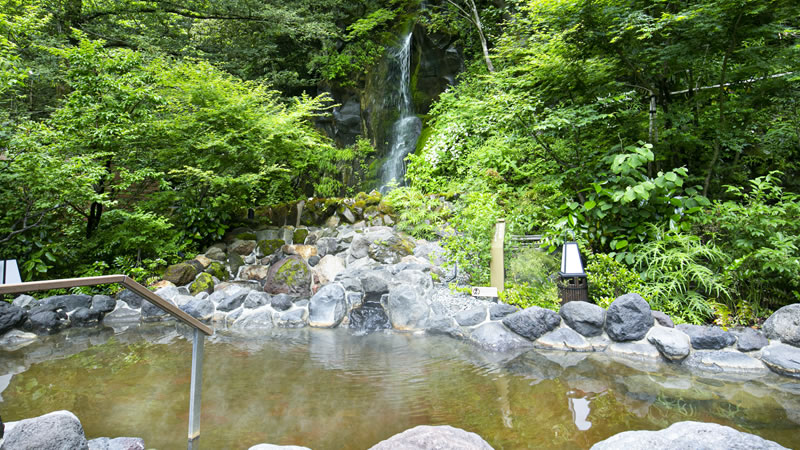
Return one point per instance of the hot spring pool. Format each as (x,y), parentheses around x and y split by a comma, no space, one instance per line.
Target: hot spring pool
(332,389)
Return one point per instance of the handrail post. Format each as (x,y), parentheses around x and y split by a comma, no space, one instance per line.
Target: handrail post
(196,389)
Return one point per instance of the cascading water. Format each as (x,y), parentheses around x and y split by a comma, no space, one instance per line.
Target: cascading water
(407,128)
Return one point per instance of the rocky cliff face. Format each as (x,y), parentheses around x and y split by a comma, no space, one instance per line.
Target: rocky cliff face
(436,60)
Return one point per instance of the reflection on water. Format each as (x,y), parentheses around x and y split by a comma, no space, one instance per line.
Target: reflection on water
(331,389)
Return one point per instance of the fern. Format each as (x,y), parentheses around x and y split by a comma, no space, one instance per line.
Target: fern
(678,273)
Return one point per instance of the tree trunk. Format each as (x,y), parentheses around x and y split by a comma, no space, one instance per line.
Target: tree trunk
(479,26)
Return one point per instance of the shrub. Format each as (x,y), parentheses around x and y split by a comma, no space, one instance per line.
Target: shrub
(608,279)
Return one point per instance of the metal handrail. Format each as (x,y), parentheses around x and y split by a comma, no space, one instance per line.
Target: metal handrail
(197,342)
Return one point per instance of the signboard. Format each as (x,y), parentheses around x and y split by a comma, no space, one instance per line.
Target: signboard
(484,292)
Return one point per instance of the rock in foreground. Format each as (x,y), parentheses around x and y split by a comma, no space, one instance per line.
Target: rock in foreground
(58,430)
(686,435)
(426,437)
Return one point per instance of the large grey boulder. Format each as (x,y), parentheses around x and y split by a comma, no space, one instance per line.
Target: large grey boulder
(686,435)
(327,307)
(425,437)
(783,359)
(103,304)
(133,299)
(707,338)
(471,317)
(44,321)
(258,318)
(564,339)
(583,317)
(120,443)
(359,248)
(59,430)
(663,319)
(84,317)
(294,318)
(421,280)
(673,344)
(532,322)
(444,325)
(281,302)
(784,325)
(328,267)
(68,302)
(256,299)
(500,310)
(152,313)
(11,316)
(236,300)
(628,318)
(122,313)
(24,301)
(494,336)
(748,340)
(406,308)
(375,283)
(200,309)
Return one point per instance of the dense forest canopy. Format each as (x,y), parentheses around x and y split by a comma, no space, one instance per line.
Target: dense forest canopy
(664,136)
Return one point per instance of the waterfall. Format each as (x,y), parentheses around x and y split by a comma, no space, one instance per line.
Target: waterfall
(407,128)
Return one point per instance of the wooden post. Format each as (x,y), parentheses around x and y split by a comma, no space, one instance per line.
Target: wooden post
(496,267)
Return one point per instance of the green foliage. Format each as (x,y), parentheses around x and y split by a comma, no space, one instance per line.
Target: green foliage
(470,242)
(759,230)
(608,279)
(417,214)
(680,275)
(524,295)
(529,279)
(618,209)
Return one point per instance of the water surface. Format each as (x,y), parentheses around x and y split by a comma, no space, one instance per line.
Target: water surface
(331,389)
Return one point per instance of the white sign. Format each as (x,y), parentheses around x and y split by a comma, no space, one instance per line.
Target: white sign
(484,292)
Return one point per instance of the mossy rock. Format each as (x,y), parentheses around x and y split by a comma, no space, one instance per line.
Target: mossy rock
(299,235)
(373,198)
(289,276)
(180,274)
(270,246)
(203,283)
(218,270)
(249,236)
(371,212)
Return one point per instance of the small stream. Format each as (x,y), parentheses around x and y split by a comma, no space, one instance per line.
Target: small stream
(333,389)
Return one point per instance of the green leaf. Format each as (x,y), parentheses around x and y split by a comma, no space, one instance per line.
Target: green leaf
(621,244)
(670,176)
(589,205)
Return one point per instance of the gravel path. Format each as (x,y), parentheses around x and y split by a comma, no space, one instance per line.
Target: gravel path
(453,302)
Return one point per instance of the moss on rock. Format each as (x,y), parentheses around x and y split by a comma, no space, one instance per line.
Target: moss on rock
(180,274)
(299,235)
(218,270)
(203,283)
(269,246)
